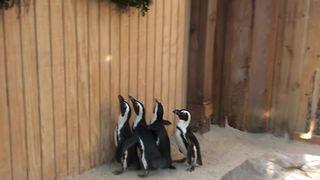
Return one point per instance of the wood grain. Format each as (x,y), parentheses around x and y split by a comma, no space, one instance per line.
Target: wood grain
(71,61)
(105,78)
(30,69)
(5,150)
(15,94)
(45,89)
(150,62)
(63,64)
(142,57)
(83,84)
(115,76)
(94,80)
(165,81)
(159,10)
(59,87)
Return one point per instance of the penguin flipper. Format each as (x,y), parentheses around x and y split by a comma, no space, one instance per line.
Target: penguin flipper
(130,142)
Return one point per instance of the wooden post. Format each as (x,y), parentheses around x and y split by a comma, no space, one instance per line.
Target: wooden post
(202,37)
(219,53)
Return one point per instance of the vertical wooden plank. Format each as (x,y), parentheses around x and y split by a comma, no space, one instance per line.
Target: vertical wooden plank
(193,50)
(5,151)
(276,118)
(173,60)
(59,89)
(15,94)
(71,85)
(151,23)
(94,80)
(42,10)
(166,56)
(83,84)
(124,54)
(298,45)
(133,49)
(202,36)
(181,61)
(220,36)
(115,75)
(311,67)
(142,55)
(289,69)
(105,58)
(31,91)
(261,65)
(237,57)
(158,49)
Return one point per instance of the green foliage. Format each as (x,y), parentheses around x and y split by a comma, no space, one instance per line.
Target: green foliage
(6,4)
(142,5)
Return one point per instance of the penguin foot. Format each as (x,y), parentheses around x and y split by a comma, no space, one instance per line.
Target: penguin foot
(118,172)
(190,169)
(145,174)
(172,167)
(180,160)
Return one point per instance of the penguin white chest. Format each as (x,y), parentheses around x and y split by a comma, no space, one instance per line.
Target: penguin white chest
(179,139)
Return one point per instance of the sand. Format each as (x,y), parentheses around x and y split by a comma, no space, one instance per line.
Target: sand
(222,149)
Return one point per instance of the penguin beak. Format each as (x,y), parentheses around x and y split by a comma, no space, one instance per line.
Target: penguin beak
(176,111)
(135,104)
(156,100)
(133,100)
(121,99)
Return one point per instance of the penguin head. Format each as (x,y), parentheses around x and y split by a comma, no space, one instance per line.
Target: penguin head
(137,106)
(184,118)
(157,112)
(124,106)
(139,110)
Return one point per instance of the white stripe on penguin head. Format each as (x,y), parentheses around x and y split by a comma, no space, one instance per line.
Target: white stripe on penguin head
(155,114)
(122,119)
(139,116)
(182,124)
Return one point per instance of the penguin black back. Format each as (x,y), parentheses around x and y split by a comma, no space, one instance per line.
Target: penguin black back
(160,134)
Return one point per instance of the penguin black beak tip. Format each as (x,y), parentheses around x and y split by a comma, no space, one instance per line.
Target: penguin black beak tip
(156,100)
(120,97)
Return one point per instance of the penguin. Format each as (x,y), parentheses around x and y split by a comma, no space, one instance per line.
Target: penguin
(150,156)
(121,134)
(186,140)
(160,134)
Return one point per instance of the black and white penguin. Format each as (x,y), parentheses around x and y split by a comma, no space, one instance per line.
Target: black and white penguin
(121,134)
(150,156)
(186,140)
(160,134)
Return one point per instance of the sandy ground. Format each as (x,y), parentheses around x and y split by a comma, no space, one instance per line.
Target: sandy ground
(222,150)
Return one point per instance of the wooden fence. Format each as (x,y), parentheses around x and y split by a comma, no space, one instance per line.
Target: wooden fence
(268,64)
(62,65)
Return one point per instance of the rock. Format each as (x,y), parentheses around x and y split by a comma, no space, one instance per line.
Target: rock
(277,166)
